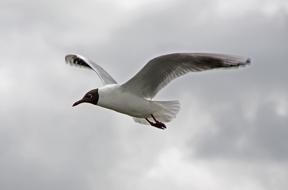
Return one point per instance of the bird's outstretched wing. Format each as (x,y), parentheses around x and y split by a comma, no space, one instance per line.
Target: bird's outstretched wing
(158,72)
(79,60)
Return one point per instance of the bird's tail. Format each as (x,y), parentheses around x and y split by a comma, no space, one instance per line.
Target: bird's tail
(166,114)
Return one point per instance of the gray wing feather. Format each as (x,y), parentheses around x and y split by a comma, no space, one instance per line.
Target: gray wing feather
(158,72)
(81,61)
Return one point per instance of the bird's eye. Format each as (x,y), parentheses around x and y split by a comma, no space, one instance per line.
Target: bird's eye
(89,96)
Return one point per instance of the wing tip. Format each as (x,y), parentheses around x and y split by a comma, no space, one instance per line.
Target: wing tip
(246,62)
(69,58)
(76,60)
(241,63)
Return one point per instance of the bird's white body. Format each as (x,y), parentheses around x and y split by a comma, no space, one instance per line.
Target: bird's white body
(114,98)
(134,96)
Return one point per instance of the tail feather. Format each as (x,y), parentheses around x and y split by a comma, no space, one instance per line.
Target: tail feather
(166,114)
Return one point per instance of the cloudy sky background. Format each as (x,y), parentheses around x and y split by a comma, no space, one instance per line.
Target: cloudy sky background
(231,132)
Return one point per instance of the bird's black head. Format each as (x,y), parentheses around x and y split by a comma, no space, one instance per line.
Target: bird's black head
(91,97)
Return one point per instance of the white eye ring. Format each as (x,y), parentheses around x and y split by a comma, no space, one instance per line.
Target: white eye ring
(89,96)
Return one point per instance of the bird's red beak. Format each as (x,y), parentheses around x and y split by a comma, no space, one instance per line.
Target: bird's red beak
(78,102)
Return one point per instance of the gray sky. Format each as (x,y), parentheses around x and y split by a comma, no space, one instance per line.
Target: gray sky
(231,132)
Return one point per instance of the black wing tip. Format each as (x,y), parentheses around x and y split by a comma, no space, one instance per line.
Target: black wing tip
(248,61)
(238,64)
(241,63)
(245,63)
(70,59)
(76,60)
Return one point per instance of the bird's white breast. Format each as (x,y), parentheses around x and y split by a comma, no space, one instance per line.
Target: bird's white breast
(113,97)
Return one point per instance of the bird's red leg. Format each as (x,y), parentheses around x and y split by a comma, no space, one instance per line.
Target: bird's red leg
(157,123)
(154,118)
(151,123)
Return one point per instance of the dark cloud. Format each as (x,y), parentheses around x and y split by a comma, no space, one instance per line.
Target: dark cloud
(236,137)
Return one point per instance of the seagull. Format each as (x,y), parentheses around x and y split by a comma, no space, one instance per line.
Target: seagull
(134,97)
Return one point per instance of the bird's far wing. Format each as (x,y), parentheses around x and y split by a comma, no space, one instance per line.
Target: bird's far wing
(79,60)
(158,72)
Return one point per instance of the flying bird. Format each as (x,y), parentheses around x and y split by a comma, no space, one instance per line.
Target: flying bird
(134,97)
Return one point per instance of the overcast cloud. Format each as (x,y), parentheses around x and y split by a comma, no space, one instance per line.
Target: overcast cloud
(231,132)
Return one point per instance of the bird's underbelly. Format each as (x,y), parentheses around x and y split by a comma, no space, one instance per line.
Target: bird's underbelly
(130,105)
